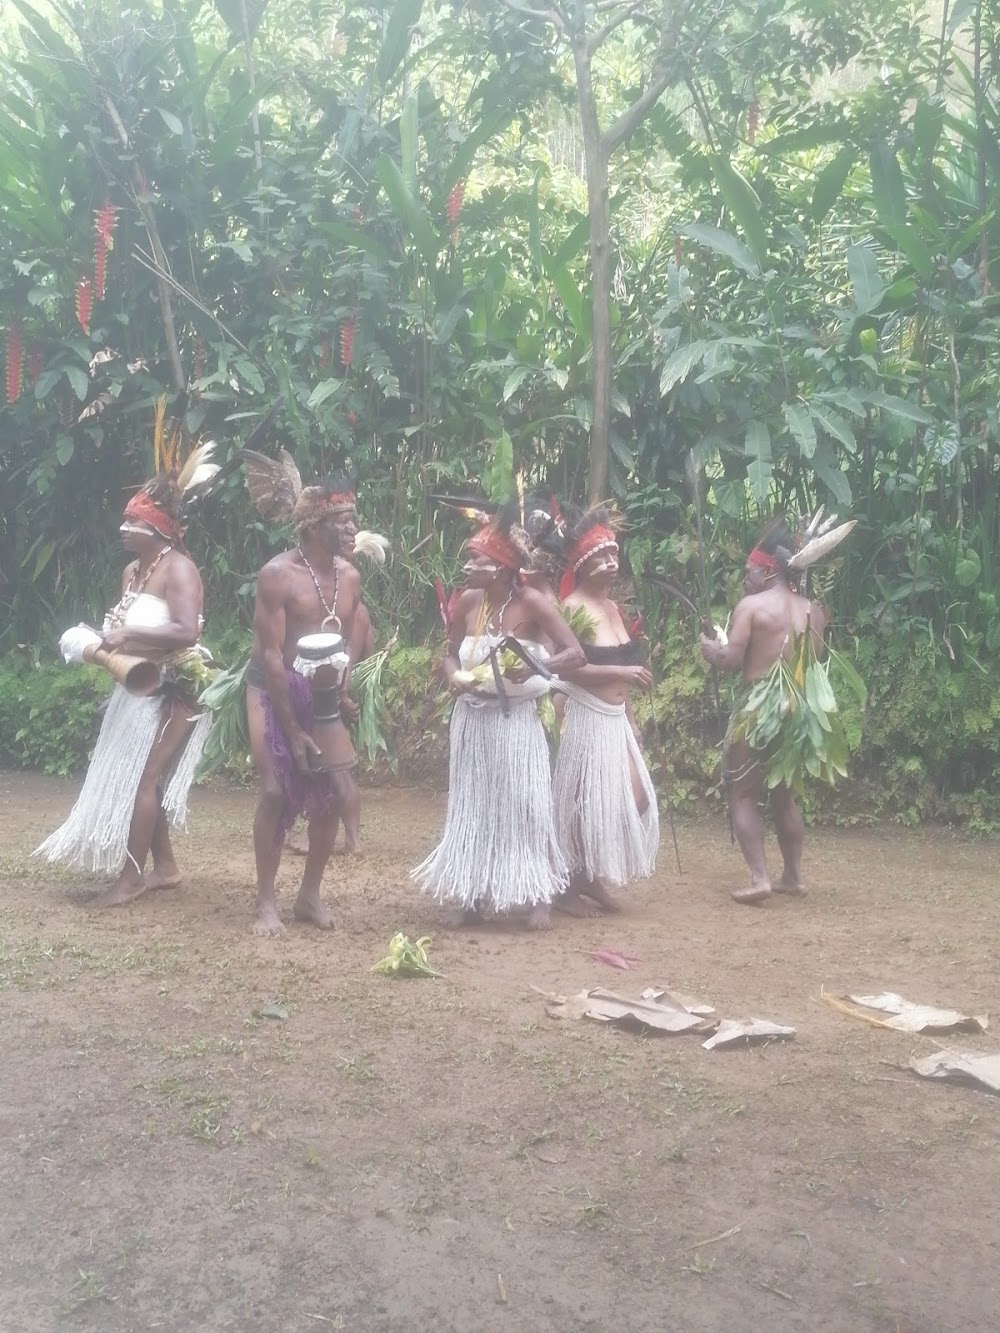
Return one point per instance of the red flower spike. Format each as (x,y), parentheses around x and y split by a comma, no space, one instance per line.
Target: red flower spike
(84,301)
(106,218)
(100,262)
(752,114)
(454,206)
(15,362)
(36,363)
(347,331)
(352,418)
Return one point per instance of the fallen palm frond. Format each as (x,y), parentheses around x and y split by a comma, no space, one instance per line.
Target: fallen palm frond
(850,1010)
(905,1016)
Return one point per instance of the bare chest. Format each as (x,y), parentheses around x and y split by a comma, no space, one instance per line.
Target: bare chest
(314,597)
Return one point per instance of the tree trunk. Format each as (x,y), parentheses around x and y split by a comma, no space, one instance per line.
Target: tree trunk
(600,266)
(600,347)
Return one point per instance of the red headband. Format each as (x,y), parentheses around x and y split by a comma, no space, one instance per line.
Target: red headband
(142,509)
(491,543)
(595,539)
(759,559)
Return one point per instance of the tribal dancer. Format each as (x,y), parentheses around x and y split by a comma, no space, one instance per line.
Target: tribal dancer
(606,815)
(498,852)
(149,747)
(361,646)
(301,748)
(769,623)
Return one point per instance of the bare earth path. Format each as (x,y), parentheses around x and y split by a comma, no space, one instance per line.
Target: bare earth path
(441,1155)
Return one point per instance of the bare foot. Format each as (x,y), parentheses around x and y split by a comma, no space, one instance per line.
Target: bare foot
(121,892)
(297,844)
(752,896)
(314,912)
(350,849)
(169,877)
(539,918)
(573,905)
(267,922)
(599,894)
(791,888)
(457,917)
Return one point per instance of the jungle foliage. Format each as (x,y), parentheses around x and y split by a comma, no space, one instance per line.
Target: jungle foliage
(731,256)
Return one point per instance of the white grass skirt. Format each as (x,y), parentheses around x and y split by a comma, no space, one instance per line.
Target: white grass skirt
(498,850)
(600,830)
(95,836)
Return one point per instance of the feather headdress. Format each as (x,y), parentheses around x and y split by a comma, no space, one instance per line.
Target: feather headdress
(161,503)
(276,489)
(777,550)
(477,511)
(594,530)
(274,483)
(819,538)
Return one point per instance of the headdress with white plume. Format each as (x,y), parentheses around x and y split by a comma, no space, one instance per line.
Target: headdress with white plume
(162,501)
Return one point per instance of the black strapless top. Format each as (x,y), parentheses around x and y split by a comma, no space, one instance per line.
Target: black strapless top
(615,654)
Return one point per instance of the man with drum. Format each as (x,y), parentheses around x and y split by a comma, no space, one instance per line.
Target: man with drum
(296,702)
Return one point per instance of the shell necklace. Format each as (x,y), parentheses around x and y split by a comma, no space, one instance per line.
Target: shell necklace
(116,616)
(331,615)
(496,617)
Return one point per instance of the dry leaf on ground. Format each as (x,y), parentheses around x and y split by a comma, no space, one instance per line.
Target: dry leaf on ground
(674,999)
(732,1032)
(905,1016)
(961,1066)
(607,1007)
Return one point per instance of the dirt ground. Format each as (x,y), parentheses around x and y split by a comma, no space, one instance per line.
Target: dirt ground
(441,1154)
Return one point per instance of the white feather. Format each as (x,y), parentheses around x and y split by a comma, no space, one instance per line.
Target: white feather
(195,464)
(371,544)
(820,546)
(203,472)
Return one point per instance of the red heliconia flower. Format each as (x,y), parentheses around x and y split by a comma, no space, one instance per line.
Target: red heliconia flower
(106,217)
(347,331)
(15,362)
(36,362)
(84,301)
(324,353)
(352,418)
(678,251)
(753,112)
(455,202)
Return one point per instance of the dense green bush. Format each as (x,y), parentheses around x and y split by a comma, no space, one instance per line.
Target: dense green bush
(49,717)
(927,747)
